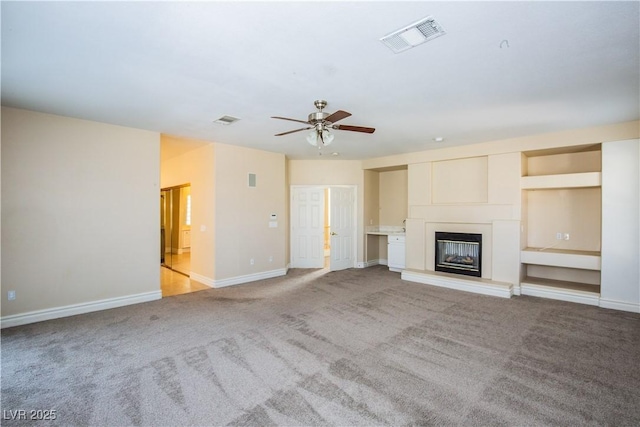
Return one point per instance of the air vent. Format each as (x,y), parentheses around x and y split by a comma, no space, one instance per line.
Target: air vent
(226,120)
(413,35)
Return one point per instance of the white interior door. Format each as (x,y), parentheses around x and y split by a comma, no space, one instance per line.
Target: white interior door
(307,227)
(343,227)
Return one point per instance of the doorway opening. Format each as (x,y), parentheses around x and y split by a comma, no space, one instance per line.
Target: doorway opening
(175,228)
(323,227)
(175,240)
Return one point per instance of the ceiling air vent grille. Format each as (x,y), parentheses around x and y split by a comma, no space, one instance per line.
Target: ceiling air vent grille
(226,120)
(413,35)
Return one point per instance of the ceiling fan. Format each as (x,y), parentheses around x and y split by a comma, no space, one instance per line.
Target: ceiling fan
(321,123)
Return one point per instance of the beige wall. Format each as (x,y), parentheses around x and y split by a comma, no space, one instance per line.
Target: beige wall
(63,242)
(588,161)
(230,220)
(196,167)
(243,213)
(575,211)
(393,197)
(333,172)
(460,181)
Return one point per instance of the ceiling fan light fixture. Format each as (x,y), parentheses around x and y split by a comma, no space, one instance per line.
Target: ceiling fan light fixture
(327,137)
(312,138)
(322,123)
(320,137)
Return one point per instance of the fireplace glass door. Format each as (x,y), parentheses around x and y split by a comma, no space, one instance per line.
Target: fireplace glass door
(459,253)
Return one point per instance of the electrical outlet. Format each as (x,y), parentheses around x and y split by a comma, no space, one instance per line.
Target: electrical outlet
(558,236)
(271,259)
(251,261)
(566,236)
(11,295)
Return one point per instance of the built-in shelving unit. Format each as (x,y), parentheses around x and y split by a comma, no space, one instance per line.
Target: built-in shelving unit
(561,216)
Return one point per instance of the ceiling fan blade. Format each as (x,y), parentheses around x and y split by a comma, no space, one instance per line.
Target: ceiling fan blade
(354,128)
(291,120)
(338,115)
(293,131)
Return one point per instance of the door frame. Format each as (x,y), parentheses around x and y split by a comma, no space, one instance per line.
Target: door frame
(355,218)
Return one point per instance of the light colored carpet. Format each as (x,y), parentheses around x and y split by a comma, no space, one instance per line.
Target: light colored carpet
(356,347)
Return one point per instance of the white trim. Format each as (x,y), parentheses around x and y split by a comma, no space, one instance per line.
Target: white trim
(569,295)
(249,278)
(516,289)
(201,279)
(477,286)
(620,305)
(371,263)
(75,309)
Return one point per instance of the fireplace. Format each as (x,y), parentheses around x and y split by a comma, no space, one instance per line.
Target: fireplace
(459,253)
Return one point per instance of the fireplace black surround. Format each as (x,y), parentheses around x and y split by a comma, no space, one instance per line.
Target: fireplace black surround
(459,253)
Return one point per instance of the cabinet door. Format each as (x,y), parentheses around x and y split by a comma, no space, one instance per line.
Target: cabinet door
(396,254)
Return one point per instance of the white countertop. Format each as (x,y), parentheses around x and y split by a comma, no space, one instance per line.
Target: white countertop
(385,230)
(386,233)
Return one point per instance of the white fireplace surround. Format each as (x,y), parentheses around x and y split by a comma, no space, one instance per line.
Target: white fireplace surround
(499,267)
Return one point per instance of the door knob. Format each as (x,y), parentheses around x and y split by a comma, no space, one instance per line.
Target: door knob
(334,233)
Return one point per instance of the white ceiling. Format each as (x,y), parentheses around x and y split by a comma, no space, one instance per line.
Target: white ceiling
(174,67)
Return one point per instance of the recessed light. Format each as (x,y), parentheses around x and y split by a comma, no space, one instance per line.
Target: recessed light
(438,139)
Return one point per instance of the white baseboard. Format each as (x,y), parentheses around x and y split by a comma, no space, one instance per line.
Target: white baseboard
(371,263)
(248,278)
(477,286)
(201,279)
(620,305)
(75,309)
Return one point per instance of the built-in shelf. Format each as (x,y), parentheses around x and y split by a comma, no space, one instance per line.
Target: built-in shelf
(587,260)
(561,290)
(568,180)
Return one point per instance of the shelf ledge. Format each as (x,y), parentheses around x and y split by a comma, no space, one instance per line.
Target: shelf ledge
(569,180)
(585,260)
